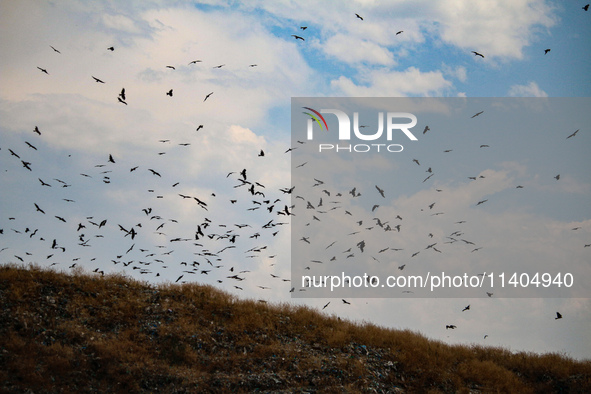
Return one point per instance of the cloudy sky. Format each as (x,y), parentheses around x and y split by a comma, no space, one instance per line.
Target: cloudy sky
(187,214)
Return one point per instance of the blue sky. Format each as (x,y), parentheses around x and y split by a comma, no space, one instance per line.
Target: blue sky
(82,123)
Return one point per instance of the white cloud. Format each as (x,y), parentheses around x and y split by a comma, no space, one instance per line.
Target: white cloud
(458,72)
(120,22)
(395,83)
(530,90)
(354,50)
(495,28)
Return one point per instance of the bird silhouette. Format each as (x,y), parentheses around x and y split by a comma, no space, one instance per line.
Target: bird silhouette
(358,16)
(43,70)
(381,191)
(573,134)
(586,7)
(467,308)
(111,49)
(54,49)
(558,316)
(169,93)
(478,54)
(97,80)
(546,51)
(206,97)
(298,37)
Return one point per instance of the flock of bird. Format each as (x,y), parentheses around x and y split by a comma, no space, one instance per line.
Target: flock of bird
(210,240)
(361,238)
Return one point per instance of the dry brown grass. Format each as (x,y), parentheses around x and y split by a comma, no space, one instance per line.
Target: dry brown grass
(83,333)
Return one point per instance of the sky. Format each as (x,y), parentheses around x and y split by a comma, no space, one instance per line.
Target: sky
(165,173)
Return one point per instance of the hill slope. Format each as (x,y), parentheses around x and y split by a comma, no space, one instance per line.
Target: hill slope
(84,333)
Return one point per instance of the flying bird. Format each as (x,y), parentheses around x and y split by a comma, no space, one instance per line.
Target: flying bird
(586,7)
(206,97)
(476,114)
(96,79)
(573,134)
(298,37)
(54,49)
(324,307)
(546,51)
(43,70)
(346,302)
(358,16)
(478,54)
(110,49)
(398,32)
(26,164)
(467,308)
(171,67)
(169,93)
(195,61)
(36,130)
(558,316)
(220,66)
(381,191)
